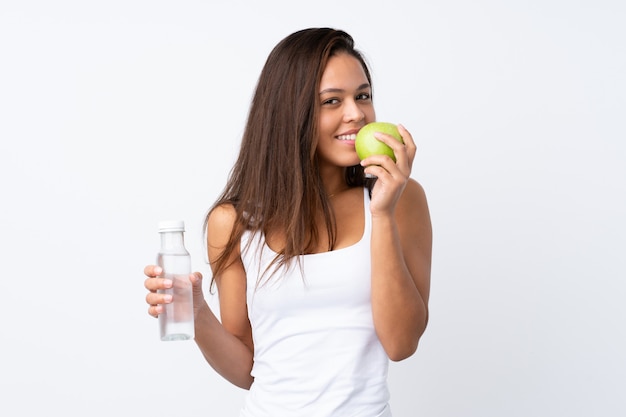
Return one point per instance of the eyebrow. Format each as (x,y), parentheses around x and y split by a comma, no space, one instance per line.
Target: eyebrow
(339,90)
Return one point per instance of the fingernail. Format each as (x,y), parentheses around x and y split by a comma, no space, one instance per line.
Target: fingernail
(167,283)
(167,298)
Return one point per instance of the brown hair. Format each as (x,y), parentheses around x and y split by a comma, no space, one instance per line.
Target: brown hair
(275,183)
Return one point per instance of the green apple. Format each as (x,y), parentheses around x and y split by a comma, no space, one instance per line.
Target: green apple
(366,144)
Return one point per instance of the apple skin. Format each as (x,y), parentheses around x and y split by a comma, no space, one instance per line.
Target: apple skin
(366,144)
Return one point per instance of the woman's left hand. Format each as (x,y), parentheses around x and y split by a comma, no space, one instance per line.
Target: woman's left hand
(392,176)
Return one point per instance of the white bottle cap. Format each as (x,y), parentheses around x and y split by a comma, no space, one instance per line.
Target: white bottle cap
(171,226)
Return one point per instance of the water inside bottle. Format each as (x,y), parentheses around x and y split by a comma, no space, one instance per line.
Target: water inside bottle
(176,320)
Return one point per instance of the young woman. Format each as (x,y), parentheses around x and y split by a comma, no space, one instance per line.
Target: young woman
(321,261)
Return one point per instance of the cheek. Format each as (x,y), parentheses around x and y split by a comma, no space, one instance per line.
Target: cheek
(370,114)
(326,123)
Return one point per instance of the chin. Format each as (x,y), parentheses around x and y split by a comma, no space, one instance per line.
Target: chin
(351,162)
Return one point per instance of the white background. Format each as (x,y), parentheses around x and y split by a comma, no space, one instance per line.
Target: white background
(117,114)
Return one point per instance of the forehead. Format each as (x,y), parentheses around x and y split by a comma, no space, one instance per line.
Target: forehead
(342,71)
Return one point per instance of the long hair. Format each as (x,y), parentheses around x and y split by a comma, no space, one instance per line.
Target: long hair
(275,183)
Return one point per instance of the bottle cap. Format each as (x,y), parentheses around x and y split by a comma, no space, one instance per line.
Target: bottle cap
(171,226)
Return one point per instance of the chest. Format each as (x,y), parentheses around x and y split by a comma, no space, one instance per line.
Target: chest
(329,283)
(349,215)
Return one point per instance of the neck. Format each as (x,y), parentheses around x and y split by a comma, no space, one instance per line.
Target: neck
(334,180)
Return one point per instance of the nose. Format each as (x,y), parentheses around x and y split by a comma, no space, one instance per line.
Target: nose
(352,112)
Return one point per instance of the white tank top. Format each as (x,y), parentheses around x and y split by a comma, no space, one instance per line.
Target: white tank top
(316,353)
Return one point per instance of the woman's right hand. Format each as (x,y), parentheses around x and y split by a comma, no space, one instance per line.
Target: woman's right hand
(156,300)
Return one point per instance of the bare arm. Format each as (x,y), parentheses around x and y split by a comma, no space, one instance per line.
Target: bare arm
(401,248)
(401,260)
(227,346)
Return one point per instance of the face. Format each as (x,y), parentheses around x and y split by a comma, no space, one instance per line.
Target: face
(346,106)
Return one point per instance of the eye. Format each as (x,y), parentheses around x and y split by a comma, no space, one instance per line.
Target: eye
(330,101)
(364,96)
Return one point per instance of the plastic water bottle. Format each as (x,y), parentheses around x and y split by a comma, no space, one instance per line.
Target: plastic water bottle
(176,320)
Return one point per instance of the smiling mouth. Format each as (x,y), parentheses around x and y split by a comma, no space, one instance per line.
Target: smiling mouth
(347,137)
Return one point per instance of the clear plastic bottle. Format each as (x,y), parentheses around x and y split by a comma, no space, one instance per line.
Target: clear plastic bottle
(176,320)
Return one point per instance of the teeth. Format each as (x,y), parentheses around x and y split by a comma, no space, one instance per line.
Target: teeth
(347,137)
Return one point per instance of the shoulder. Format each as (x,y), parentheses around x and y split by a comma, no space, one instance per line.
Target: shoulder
(223,213)
(221,224)
(414,196)
(412,211)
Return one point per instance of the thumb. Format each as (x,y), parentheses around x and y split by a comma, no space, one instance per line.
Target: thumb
(196,281)
(198,295)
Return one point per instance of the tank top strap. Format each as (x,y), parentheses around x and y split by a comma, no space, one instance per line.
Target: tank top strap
(367,214)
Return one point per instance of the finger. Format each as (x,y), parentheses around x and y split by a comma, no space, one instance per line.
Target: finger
(390,141)
(379,160)
(404,152)
(399,149)
(410,146)
(376,171)
(154,311)
(387,172)
(406,137)
(152,271)
(155,299)
(155,284)
(195,278)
